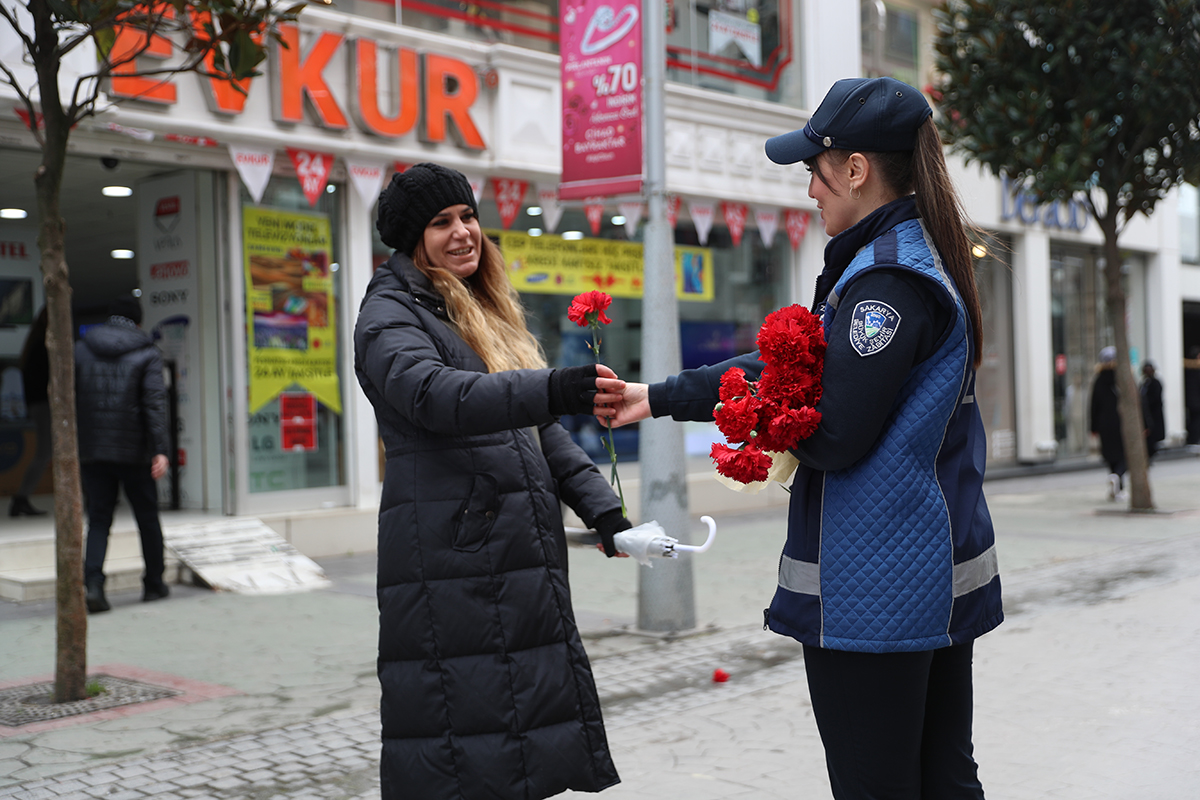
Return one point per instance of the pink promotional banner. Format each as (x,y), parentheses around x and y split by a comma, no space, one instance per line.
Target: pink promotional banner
(601,46)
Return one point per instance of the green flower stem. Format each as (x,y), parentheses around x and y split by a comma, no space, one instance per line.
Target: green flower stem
(615,479)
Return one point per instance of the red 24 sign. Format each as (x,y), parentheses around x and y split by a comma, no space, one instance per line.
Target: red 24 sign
(312,170)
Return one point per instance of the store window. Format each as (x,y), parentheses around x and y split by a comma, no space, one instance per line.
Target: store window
(742,47)
(994,383)
(296,381)
(891,37)
(532,24)
(1189,224)
(1081,325)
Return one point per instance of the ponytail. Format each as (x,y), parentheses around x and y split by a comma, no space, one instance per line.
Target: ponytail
(942,212)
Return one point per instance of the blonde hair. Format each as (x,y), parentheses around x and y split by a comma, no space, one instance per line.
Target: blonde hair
(486,310)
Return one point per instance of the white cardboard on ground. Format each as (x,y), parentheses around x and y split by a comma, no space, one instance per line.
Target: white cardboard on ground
(244,555)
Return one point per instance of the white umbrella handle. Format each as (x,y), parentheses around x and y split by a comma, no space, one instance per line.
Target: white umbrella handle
(700,548)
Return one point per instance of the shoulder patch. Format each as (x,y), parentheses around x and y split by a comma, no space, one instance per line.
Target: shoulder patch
(872,327)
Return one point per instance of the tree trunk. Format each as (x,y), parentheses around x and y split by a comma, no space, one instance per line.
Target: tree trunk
(1129,407)
(70,668)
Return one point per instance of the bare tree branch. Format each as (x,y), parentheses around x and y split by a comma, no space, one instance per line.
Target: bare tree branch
(26,41)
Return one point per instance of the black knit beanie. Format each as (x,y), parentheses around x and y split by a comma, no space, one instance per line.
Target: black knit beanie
(416,196)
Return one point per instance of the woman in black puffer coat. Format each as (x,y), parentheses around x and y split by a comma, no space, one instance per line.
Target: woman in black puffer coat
(487,691)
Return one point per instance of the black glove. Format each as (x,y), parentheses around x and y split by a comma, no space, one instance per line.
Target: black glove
(609,524)
(572,390)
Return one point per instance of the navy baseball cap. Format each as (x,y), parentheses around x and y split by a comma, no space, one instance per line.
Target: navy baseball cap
(872,115)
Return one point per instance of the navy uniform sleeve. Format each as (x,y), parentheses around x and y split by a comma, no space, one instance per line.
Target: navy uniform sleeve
(692,394)
(857,391)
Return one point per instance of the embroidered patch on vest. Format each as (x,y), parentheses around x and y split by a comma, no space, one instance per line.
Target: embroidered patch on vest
(872,327)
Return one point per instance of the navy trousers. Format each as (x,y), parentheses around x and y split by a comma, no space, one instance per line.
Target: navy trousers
(101,480)
(896,726)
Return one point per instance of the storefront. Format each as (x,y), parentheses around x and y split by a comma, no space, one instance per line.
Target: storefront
(248,229)
(1045,317)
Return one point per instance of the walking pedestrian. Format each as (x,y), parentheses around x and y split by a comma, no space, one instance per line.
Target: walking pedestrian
(1106,421)
(35,377)
(889,572)
(1151,392)
(487,690)
(120,404)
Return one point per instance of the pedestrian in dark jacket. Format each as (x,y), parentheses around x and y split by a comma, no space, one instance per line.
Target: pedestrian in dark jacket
(889,572)
(120,404)
(1106,421)
(35,378)
(487,691)
(1151,392)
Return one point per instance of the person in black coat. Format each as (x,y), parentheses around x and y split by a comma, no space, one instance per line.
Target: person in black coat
(1106,421)
(35,377)
(1151,391)
(121,412)
(487,691)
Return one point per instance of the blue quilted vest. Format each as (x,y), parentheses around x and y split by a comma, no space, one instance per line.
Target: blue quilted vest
(896,552)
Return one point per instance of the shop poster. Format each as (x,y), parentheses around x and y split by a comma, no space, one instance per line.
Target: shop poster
(290,327)
(549,264)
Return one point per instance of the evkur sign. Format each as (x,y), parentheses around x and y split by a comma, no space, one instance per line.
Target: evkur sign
(433,94)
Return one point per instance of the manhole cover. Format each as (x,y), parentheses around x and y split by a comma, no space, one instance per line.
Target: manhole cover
(21,705)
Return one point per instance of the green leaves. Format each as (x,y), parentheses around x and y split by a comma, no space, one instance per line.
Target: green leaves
(1069,95)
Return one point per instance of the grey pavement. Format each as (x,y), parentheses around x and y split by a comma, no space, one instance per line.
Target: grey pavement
(1089,689)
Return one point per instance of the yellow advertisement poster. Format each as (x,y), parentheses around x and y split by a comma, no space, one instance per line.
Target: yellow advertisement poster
(290,329)
(548,264)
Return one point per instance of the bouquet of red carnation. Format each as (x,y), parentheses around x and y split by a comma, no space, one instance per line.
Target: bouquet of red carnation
(768,417)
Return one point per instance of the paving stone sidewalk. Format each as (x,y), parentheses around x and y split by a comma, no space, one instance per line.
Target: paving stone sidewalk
(1050,681)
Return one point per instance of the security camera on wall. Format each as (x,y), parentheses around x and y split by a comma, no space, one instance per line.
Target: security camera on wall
(108,162)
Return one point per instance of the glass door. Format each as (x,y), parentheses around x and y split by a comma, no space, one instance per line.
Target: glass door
(288,364)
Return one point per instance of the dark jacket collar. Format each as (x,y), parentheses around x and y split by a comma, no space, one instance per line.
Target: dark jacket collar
(416,283)
(842,248)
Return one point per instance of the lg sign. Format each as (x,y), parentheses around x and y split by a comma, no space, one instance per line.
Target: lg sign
(436,92)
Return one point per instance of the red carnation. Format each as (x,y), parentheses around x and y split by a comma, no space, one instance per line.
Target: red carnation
(791,337)
(793,424)
(588,309)
(734,384)
(745,466)
(737,418)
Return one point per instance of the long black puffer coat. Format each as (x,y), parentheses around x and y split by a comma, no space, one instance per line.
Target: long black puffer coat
(487,691)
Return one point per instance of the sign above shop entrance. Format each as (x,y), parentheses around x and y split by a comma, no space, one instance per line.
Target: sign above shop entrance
(1069,215)
(433,95)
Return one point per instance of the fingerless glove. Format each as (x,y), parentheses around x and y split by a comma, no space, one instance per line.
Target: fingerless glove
(608,525)
(572,390)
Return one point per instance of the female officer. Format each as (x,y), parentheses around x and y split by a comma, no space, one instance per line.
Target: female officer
(889,572)
(487,691)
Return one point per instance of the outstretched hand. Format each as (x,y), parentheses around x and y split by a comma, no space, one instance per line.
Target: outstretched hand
(632,405)
(609,387)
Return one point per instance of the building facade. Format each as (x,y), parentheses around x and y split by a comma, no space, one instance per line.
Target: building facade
(248,228)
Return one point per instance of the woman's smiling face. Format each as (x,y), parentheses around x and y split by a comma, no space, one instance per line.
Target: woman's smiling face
(453,240)
(838,210)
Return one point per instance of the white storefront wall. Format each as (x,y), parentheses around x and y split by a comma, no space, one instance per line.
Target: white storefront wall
(714,150)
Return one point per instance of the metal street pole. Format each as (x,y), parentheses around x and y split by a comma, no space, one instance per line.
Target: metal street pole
(666,601)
